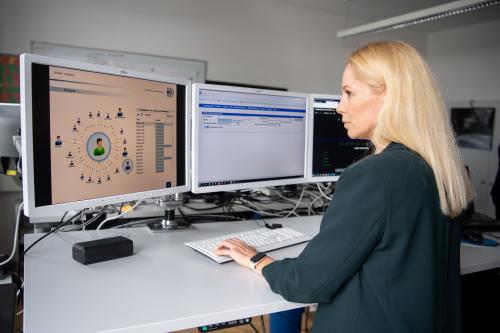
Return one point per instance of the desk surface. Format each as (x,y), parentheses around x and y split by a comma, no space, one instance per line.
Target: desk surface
(478,258)
(164,286)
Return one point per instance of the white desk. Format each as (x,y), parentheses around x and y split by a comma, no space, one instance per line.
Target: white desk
(478,258)
(164,286)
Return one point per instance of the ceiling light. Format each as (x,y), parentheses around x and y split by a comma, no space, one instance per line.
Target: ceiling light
(417,17)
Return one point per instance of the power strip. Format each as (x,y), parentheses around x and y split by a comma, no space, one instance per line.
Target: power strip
(227,324)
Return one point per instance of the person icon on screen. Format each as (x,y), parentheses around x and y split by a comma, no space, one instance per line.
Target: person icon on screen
(125,153)
(82,177)
(74,128)
(78,121)
(89,180)
(99,149)
(69,154)
(99,180)
(124,141)
(98,114)
(71,164)
(107,116)
(58,141)
(121,130)
(119,113)
(90,114)
(108,178)
(116,170)
(127,166)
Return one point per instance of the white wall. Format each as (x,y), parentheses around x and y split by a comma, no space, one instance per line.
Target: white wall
(247,41)
(466,61)
(255,42)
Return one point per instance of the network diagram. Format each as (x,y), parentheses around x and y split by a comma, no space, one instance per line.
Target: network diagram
(98,146)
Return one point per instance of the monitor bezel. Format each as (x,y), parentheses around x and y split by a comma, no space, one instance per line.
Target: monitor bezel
(30,209)
(195,141)
(310,141)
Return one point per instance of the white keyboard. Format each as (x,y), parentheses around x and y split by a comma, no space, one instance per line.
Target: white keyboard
(262,239)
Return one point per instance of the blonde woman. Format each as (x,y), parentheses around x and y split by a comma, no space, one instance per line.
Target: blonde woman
(386,258)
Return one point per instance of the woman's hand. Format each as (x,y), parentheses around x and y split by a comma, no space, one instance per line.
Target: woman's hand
(240,251)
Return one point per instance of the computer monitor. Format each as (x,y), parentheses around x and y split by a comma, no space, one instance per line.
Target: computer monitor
(95,135)
(247,138)
(330,150)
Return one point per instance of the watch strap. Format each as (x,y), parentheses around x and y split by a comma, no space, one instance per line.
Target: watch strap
(257,258)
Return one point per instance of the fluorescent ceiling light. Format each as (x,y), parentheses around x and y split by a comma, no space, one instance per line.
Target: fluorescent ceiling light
(420,16)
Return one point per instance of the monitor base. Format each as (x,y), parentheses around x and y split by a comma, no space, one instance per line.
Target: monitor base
(169,204)
(168,223)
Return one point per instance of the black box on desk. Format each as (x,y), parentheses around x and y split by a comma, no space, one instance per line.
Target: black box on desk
(102,249)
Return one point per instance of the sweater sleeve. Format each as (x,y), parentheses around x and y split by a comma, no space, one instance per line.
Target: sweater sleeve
(350,230)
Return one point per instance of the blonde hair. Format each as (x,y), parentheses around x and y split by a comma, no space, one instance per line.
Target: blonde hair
(415,115)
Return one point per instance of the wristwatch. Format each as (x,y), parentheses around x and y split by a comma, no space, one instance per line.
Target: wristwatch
(256,259)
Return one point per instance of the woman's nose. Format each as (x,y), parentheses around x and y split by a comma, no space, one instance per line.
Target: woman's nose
(341,107)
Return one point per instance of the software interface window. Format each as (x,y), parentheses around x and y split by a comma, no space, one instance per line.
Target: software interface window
(333,150)
(109,134)
(249,137)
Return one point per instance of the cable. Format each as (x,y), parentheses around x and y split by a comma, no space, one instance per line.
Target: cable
(257,209)
(119,211)
(288,199)
(87,223)
(493,235)
(184,216)
(14,245)
(217,217)
(19,282)
(323,194)
(298,202)
(260,225)
(133,223)
(120,215)
(262,323)
(312,194)
(81,219)
(201,209)
(60,225)
(263,205)
(72,226)
(311,205)
(254,328)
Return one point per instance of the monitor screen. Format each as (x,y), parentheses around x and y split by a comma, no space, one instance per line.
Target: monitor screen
(97,135)
(247,138)
(330,149)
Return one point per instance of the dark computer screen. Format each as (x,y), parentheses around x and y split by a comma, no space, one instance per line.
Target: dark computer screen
(333,150)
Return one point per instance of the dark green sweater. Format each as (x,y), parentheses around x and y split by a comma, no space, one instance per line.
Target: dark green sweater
(386,259)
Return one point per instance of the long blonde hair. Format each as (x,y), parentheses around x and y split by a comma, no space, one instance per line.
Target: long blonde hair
(415,115)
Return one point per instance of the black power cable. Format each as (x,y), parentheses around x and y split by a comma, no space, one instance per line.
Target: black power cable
(59,226)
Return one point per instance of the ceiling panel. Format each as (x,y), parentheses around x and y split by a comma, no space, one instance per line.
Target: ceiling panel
(374,10)
(369,10)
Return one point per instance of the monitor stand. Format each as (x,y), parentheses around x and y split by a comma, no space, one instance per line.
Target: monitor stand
(169,204)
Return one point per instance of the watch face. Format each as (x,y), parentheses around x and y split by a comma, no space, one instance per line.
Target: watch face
(257,257)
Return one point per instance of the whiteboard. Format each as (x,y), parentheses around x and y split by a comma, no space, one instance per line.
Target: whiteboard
(193,70)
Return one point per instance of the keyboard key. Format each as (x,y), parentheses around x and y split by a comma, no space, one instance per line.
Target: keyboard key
(262,239)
